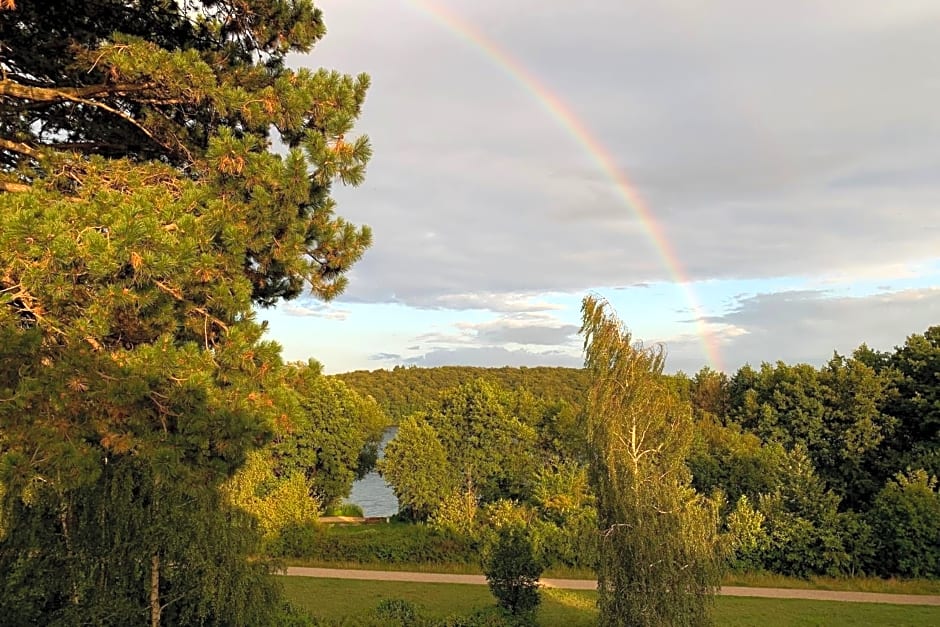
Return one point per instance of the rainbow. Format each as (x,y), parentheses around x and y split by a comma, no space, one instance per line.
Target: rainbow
(578,130)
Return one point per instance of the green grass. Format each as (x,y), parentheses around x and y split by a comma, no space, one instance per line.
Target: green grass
(850,584)
(337,599)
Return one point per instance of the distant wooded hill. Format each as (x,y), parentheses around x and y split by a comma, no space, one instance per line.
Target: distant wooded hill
(401,391)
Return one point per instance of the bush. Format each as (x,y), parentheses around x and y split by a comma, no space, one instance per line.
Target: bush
(344,509)
(489,617)
(292,616)
(398,612)
(295,541)
(394,543)
(512,572)
(906,520)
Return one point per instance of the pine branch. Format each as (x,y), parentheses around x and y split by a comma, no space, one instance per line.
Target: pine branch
(83,96)
(17,147)
(12,89)
(19,188)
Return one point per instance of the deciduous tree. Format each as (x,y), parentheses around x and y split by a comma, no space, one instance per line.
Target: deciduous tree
(658,560)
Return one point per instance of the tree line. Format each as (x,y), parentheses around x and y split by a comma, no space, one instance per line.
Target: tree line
(825,470)
(404,390)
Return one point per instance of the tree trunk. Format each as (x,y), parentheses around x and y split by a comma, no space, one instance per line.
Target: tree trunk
(155,591)
(65,512)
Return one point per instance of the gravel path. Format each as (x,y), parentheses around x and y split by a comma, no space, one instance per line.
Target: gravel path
(585,584)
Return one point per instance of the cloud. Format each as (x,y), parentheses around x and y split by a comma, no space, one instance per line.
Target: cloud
(766,141)
(504,302)
(521,328)
(385,357)
(806,326)
(543,335)
(811,151)
(494,356)
(310,308)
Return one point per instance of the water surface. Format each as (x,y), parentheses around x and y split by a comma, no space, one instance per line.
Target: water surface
(372,493)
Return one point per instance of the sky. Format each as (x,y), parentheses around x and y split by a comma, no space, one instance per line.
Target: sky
(743,181)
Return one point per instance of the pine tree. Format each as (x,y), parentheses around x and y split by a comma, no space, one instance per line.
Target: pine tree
(143,216)
(658,564)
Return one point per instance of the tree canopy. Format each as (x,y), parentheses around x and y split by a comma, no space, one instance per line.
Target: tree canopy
(144,214)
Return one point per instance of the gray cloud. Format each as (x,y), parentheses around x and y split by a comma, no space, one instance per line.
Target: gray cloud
(766,140)
(528,328)
(543,335)
(494,356)
(500,303)
(385,357)
(807,326)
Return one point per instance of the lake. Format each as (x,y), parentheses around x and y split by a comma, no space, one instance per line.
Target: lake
(372,493)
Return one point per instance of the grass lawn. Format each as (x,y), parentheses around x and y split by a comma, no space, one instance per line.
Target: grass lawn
(348,599)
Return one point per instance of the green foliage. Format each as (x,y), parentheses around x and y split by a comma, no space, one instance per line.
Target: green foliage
(562,490)
(392,543)
(89,569)
(709,394)
(833,412)
(416,465)
(324,432)
(472,443)
(344,509)
(457,514)
(277,502)
(736,462)
(906,519)
(143,218)
(504,513)
(404,391)
(290,615)
(397,612)
(489,445)
(658,554)
(512,571)
(800,514)
(913,400)
(745,535)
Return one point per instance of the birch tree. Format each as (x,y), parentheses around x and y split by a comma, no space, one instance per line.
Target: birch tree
(658,561)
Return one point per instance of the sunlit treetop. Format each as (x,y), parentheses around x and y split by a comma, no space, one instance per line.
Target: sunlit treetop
(202,89)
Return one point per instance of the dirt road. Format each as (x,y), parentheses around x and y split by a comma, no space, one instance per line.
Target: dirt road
(584,584)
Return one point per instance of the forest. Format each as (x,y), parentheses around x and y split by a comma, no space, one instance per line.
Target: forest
(829,470)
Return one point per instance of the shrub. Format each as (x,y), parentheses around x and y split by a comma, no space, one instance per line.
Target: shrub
(344,509)
(457,514)
(512,572)
(292,616)
(296,541)
(906,520)
(398,612)
(393,543)
(488,617)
